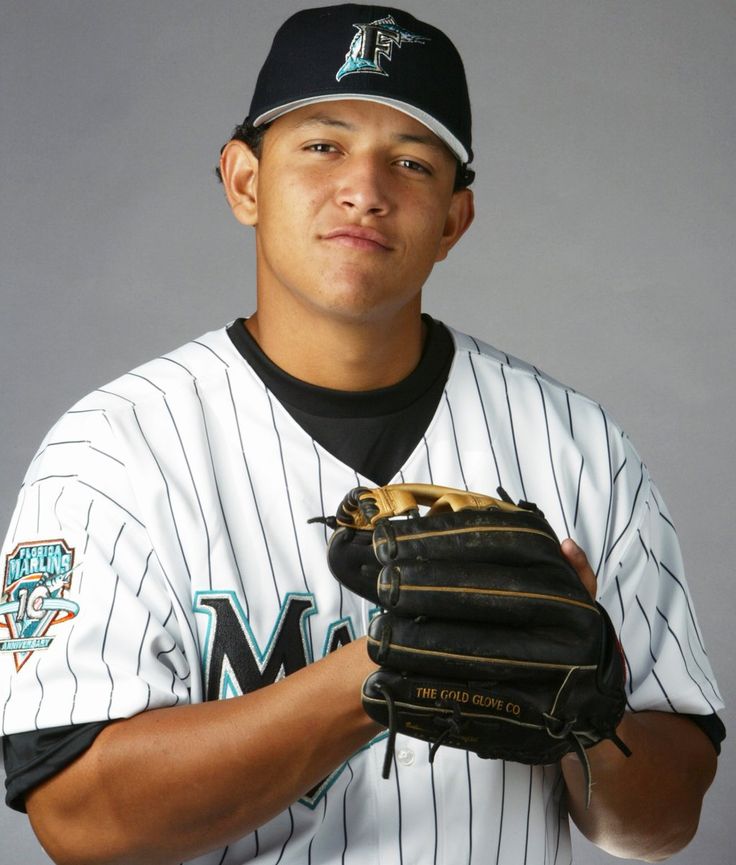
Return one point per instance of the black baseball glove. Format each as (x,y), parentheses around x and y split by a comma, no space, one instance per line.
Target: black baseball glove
(487,640)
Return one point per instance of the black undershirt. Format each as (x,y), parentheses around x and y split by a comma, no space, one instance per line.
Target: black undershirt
(373,432)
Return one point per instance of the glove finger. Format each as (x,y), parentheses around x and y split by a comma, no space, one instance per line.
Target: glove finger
(485,592)
(523,537)
(352,561)
(472,650)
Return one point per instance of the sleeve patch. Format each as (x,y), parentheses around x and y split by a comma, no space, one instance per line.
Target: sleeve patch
(37,576)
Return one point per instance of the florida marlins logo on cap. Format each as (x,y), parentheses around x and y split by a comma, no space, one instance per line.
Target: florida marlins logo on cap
(372,42)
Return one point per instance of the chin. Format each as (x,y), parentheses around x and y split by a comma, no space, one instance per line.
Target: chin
(371,299)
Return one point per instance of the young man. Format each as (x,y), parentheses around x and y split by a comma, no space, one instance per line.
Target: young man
(181,675)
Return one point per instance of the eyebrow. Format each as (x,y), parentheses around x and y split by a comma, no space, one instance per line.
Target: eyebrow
(324,120)
(429,140)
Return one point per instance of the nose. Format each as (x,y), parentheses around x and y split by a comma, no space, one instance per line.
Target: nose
(363,187)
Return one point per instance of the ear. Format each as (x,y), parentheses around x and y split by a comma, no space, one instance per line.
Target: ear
(459,217)
(239,170)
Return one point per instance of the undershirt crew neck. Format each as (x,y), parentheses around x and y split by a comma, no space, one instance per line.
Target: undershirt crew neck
(373,432)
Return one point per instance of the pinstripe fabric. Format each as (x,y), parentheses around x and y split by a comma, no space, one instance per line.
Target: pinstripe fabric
(185,485)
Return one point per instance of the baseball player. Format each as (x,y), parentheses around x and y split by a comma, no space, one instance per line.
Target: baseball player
(180,673)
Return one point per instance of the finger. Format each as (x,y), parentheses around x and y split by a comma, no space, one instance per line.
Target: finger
(577,558)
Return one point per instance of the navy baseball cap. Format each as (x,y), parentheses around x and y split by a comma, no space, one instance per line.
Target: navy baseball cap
(376,53)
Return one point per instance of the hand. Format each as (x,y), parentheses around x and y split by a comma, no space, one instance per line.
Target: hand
(579,561)
(490,640)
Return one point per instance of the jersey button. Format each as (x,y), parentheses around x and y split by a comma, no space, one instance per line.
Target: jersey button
(405,756)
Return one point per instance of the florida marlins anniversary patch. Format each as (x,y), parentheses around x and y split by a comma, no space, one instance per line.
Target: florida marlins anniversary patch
(37,575)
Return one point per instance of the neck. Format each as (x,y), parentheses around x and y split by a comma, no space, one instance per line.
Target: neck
(350,355)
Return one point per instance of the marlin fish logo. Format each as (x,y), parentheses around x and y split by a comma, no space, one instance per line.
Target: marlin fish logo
(373,42)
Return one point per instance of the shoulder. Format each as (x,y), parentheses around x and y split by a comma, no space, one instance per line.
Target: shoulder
(524,381)
(557,439)
(175,378)
(197,360)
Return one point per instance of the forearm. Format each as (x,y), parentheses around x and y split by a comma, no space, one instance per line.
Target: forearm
(645,806)
(170,784)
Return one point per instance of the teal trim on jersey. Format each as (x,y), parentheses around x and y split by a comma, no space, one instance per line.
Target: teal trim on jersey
(228,682)
(347,622)
(228,686)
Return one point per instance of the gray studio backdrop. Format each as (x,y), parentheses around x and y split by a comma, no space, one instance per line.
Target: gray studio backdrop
(603,251)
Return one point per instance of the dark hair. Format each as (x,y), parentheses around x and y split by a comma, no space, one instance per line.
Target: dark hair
(253,137)
(248,134)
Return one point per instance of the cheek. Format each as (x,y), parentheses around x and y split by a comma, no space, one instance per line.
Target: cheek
(431,212)
(293,206)
(429,231)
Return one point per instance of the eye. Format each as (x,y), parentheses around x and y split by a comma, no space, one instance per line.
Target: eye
(320,147)
(413,165)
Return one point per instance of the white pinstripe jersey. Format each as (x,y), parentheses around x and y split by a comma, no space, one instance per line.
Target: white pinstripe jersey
(183,489)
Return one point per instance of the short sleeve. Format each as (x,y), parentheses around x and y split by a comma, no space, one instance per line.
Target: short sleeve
(646,594)
(88,630)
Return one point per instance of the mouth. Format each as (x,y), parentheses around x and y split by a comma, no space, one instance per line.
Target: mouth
(359,237)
